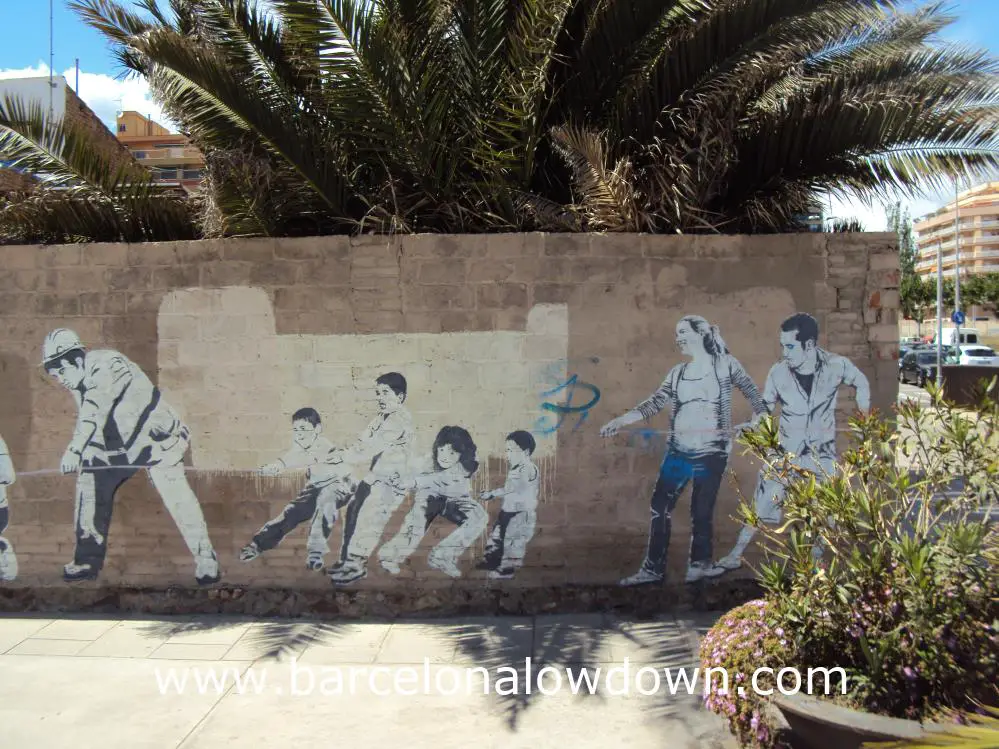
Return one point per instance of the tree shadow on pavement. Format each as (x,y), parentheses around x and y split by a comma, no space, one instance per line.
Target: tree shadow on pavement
(268,640)
(513,650)
(503,646)
(598,643)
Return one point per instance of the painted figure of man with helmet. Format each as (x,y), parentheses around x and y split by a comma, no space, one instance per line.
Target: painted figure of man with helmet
(8,560)
(123,426)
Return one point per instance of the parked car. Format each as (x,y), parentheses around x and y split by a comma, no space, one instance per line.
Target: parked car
(915,345)
(920,366)
(978,356)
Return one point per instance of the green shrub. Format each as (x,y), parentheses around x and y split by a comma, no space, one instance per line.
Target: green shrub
(905,595)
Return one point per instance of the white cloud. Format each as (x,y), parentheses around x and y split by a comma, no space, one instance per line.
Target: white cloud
(104,94)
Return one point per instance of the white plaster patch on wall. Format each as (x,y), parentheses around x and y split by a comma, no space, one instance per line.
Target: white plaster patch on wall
(237,381)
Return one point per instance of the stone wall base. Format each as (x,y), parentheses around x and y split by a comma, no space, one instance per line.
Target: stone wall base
(413,602)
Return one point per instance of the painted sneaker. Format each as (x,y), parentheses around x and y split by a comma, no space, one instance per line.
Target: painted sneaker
(701,570)
(74,572)
(248,552)
(315,561)
(729,562)
(503,573)
(642,577)
(348,573)
(8,562)
(447,566)
(208,571)
(389,566)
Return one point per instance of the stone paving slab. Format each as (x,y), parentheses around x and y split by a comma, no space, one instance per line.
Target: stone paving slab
(58,701)
(100,682)
(15,630)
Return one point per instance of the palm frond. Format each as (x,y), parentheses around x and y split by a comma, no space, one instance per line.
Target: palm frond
(607,194)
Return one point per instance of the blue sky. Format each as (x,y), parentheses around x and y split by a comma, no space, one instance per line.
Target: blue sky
(25,51)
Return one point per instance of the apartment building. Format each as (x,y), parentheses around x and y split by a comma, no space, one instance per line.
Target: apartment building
(965,231)
(170,156)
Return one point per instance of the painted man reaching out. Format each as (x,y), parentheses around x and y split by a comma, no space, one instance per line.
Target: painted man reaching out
(805,383)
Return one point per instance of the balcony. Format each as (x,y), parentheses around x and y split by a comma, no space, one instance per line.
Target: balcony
(169,156)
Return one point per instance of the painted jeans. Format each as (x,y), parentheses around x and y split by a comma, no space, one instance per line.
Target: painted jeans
(509,538)
(464,512)
(317,503)
(679,469)
(99,479)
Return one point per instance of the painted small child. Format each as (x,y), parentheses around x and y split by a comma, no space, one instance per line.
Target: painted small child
(444,492)
(328,485)
(515,524)
(8,562)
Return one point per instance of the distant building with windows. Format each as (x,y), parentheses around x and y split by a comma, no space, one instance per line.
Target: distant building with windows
(977,211)
(170,156)
(813,220)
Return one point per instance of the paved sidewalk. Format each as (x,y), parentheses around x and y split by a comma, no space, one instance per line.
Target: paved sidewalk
(85,682)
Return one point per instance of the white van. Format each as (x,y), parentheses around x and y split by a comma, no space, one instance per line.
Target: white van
(951,336)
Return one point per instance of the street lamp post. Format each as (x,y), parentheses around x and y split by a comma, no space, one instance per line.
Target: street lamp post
(957,247)
(939,311)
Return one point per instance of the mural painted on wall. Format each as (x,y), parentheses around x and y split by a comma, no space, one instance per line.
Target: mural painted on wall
(8,560)
(445,492)
(384,451)
(301,408)
(397,454)
(699,394)
(804,383)
(328,487)
(515,524)
(123,425)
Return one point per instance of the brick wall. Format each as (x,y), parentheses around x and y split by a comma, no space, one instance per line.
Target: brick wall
(239,334)
(79,113)
(11,181)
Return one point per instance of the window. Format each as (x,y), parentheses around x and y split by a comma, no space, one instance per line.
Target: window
(122,128)
(980,352)
(192,174)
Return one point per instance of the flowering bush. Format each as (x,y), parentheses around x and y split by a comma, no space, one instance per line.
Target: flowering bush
(886,569)
(742,642)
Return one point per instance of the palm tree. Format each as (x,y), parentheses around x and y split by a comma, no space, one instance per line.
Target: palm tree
(82,190)
(320,116)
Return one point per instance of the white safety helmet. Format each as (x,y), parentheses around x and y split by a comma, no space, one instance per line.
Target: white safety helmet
(58,342)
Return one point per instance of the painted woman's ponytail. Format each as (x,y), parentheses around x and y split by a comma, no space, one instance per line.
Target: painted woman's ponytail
(720,347)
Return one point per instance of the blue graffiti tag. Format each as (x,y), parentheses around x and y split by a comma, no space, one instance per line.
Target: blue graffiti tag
(651,439)
(567,407)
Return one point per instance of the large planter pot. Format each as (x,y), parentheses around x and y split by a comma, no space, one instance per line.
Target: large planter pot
(820,724)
